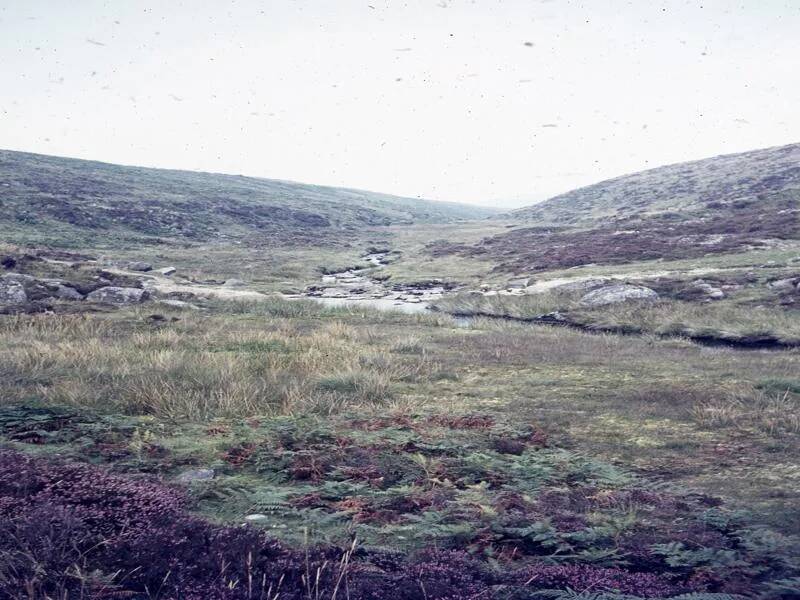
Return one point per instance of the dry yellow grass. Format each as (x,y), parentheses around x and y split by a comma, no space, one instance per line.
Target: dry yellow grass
(201,367)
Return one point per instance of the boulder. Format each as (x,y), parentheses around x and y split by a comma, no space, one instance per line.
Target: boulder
(702,290)
(8,262)
(167,270)
(179,304)
(139,265)
(255,517)
(784,284)
(234,283)
(12,290)
(518,284)
(118,295)
(582,285)
(65,292)
(614,294)
(196,475)
(335,292)
(36,289)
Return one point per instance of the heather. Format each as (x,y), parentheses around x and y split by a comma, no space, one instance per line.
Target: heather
(76,531)
(426,506)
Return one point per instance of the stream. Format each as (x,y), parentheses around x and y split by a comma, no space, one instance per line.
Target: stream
(360,287)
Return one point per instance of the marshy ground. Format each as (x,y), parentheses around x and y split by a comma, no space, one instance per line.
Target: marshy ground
(523,446)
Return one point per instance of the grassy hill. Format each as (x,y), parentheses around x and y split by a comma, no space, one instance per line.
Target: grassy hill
(709,184)
(63,201)
(719,205)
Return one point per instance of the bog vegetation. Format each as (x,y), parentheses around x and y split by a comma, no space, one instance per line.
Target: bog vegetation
(376,451)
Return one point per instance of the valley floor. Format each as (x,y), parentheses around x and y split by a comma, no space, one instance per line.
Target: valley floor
(409,432)
(418,446)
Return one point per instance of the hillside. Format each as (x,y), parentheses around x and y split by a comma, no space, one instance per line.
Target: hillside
(77,203)
(720,205)
(691,186)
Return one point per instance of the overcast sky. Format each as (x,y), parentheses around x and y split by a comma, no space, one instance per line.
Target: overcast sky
(491,102)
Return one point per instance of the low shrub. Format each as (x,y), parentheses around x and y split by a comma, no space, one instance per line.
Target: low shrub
(72,530)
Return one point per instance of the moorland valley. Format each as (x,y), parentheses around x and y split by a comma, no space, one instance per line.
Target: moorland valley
(216,386)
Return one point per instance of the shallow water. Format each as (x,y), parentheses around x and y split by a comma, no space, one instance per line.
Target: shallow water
(355,287)
(387,304)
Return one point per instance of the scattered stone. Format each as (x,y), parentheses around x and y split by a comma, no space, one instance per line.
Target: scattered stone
(784,284)
(554,317)
(516,284)
(167,270)
(702,290)
(179,304)
(614,294)
(64,292)
(335,293)
(583,285)
(139,265)
(234,283)
(255,517)
(196,475)
(118,295)
(12,290)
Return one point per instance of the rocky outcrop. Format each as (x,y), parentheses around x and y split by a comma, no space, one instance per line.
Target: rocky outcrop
(16,288)
(12,289)
(614,294)
(118,295)
(519,283)
(141,266)
(583,285)
(699,291)
(65,292)
(786,284)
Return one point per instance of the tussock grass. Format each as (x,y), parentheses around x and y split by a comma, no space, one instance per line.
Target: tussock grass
(665,317)
(768,412)
(660,405)
(673,317)
(198,368)
(516,307)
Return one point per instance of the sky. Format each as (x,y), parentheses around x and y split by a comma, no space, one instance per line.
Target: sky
(493,102)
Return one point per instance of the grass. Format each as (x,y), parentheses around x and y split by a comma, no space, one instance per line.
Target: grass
(676,318)
(638,401)
(535,454)
(514,442)
(723,321)
(81,203)
(775,414)
(202,366)
(515,307)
